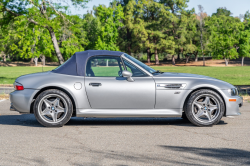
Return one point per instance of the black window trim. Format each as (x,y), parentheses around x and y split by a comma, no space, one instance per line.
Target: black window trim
(136,65)
(145,74)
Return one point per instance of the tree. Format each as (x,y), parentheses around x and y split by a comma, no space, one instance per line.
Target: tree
(222,11)
(158,20)
(127,41)
(92,28)
(201,18)
(43,14)
(224,37)
(8,36)
(182,28)
(110,19)
(244,41)
(32,41)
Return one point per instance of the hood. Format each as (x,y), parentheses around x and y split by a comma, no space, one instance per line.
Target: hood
(190,76)
(168,74)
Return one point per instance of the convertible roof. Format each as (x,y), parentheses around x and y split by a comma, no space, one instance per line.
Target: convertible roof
(76,64)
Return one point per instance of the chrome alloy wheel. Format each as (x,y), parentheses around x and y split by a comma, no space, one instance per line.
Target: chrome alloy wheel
(52,108)
(206,108)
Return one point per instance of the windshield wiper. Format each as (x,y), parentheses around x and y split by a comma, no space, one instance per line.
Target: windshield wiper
(157,71)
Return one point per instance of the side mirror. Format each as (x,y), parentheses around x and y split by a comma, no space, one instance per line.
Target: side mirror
(127,75)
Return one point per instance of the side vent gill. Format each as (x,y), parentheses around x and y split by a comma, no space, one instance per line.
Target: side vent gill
(170,86)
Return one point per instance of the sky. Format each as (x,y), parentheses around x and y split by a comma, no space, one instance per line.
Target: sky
(236,7)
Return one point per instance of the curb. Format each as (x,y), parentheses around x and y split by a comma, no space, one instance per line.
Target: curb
(6,90)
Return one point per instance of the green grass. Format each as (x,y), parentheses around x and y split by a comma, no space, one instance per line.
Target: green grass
(9,74)
(106,71)
(234,75)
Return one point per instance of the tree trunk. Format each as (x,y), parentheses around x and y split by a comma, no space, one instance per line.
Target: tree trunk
(187,57)
(156,57)
(178,57)
(107,62)
(196,56)
(4,58)
(148,55)
(128,40)
(35,60)
(226,61)
(203,60)
(201,38)
(31,60)
(56,46)
(173,60)
(42,57)
(242,61)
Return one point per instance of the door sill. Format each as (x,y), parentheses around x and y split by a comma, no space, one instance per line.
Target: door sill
(109,113)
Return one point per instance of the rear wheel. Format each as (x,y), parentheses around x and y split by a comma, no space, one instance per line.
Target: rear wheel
(53,108)
(204,108)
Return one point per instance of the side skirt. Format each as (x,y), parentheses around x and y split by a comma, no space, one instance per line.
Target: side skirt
(108,113)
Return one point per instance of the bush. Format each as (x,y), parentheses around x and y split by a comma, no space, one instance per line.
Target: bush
(8,60)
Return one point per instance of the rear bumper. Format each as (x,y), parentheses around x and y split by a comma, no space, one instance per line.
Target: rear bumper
(21,100)
(12,108)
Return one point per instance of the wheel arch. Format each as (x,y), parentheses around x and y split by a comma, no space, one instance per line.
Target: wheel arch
(200,88)
(53,87)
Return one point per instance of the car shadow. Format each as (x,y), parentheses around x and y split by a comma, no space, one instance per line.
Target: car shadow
(169,155)
(30,120)
(228,155)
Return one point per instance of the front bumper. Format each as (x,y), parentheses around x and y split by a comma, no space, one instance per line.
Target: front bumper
(233,104)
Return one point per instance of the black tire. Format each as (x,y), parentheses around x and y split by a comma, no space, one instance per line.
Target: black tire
(184,116)
(66,103)
(192,116)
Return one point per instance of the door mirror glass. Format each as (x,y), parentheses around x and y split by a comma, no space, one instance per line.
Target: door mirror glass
(127,75)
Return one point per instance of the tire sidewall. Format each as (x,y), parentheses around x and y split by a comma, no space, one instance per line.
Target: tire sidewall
(188,107)
(63,95)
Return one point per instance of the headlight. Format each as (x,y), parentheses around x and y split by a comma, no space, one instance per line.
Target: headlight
(233,91)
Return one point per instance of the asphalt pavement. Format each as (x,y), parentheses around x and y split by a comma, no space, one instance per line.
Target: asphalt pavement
(123,141)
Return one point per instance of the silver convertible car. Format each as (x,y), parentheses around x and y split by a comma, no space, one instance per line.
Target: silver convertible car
(113,84)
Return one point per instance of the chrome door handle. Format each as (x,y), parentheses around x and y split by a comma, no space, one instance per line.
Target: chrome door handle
(95,84)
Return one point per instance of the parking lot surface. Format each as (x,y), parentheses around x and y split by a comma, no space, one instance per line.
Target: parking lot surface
(123,141)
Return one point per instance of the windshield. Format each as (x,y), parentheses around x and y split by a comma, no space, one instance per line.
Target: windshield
(149,69)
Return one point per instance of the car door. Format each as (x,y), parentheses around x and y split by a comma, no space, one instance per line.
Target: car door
(106,88)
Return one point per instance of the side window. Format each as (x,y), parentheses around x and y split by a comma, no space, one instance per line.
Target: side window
(104,66)
(133,69)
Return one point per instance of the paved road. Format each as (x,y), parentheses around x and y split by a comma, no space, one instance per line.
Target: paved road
(123,141)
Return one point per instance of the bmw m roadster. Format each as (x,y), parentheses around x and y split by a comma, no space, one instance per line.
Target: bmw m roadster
(114,84)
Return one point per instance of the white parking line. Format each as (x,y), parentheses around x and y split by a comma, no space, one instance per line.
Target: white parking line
(2,100)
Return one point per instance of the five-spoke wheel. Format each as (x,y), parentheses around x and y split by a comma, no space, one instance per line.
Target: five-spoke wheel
(204,108)
(53,108)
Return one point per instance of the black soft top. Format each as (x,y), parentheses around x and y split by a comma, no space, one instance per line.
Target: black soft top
(76,64)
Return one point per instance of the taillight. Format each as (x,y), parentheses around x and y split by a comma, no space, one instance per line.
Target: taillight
(18,86)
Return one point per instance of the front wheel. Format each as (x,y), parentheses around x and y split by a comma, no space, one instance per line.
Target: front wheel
(204,108)
(53,108)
